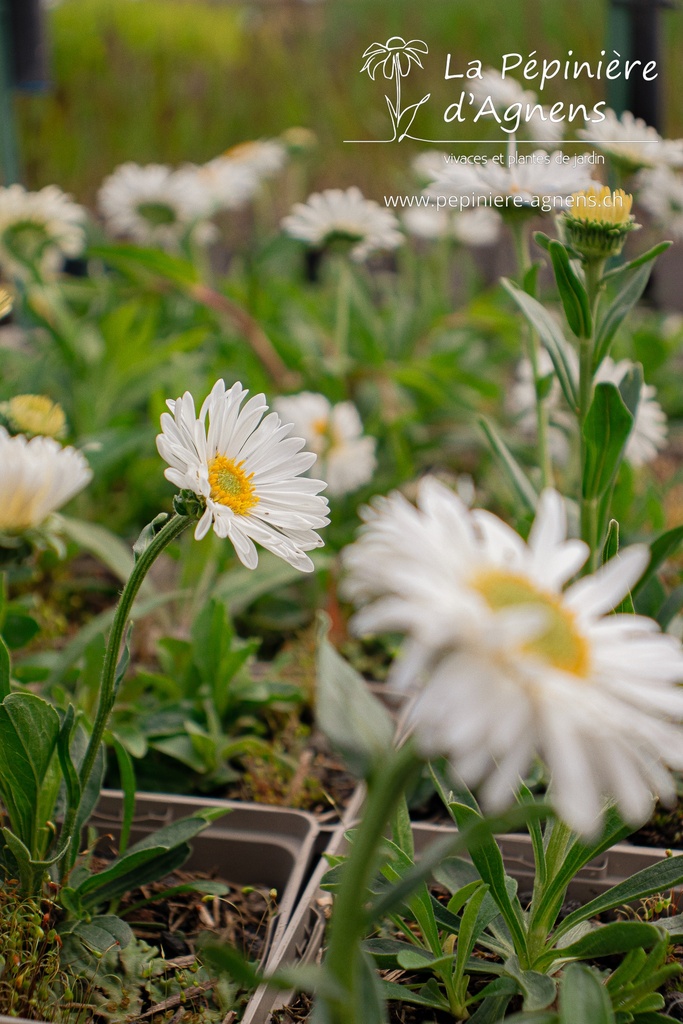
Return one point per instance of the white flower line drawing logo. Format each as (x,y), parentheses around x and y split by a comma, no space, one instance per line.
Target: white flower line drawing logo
(396,58)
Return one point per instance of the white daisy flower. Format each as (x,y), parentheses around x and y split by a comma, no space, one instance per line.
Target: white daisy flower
(649,432)
(543,176)
(660,192)
(263,157)
(247,469)
(346,214)
(505,663)
(632,143)
(37,478)
(155,205)
(335,434)
(38,229)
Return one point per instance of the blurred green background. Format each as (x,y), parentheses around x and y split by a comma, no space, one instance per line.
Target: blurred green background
(182,80)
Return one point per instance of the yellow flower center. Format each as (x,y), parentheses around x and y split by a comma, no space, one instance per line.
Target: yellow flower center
(601,206)
(36,414)
(231,486)
(560,642)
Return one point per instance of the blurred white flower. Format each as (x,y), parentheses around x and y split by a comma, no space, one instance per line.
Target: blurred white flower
(660,192)
(427,222)
(335,434)
(521,403)
(477,227)
(632,143)
(344,214)
(429,163)
(504,663)
(38,229)
(247,469)
(37,478)
(649,432)
(542,176)
(473,227)
(507,92)
(228,184)
(262,157)
(155,205)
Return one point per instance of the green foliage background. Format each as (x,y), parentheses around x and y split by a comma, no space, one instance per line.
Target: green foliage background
(176,80)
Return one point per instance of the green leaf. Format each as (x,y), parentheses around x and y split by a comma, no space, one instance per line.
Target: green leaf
(353,720)
(538,989)
(516,476)
(611,545)
(473,924)
(401,993)
(551,336)
(660,877)
(5,670)
(572,292)
(661,548)
(584,998)
(72,782)
(101,934)
(631,387)
(127,774)
(133,258)
(29,728)
(148,533)
(606,430)
(148,860)
(605,940)
(488,861)
(575,857)
(629,282)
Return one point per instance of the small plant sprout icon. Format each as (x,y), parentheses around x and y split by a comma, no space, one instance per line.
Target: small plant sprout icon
(395,58)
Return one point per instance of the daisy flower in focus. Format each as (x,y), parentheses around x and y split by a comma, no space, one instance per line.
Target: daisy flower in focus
(506,662)
(37,478)
(631,143)
(38,229)
(335,434)
(246,469)
(338,214)
(155,205)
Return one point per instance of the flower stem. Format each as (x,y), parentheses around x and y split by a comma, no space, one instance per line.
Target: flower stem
(348,923)
(533,344)
(173,527)
(342,315)
(589,506)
